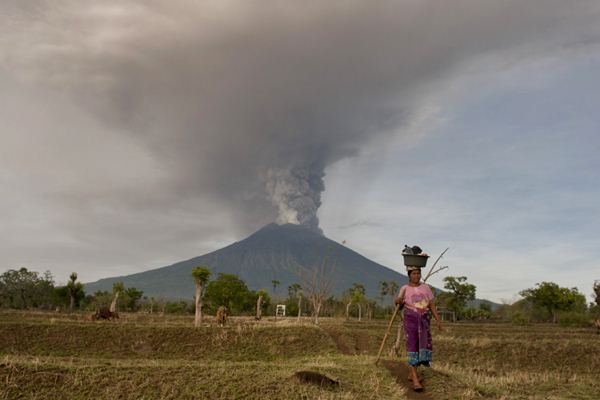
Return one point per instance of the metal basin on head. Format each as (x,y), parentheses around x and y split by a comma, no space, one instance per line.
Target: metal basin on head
(415,260)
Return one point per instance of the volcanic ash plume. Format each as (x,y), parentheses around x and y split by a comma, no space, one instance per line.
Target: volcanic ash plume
(297,194)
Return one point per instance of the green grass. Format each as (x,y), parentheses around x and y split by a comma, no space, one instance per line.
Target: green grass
(48,355)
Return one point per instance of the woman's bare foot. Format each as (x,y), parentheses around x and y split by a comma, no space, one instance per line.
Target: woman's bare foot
(412,376)
(417,387)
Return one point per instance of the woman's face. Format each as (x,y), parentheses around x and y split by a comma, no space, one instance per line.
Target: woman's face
(415,276)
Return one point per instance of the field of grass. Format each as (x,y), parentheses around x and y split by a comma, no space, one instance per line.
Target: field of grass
(140,356)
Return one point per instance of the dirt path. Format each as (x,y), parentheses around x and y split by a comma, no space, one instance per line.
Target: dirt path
(399,370)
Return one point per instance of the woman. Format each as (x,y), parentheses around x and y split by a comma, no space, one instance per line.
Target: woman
(418,301)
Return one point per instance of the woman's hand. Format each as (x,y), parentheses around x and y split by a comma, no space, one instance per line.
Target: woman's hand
(399,301)
(439,325)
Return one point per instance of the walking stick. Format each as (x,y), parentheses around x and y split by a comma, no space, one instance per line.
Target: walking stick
(387,333)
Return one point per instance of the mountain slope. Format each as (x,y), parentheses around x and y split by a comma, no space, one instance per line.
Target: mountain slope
(273,252)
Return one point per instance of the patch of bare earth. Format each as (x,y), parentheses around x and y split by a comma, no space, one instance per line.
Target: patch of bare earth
(397,369)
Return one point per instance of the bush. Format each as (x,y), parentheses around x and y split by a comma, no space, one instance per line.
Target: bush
(574,319)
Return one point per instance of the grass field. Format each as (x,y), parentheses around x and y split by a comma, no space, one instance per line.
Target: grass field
(54,356)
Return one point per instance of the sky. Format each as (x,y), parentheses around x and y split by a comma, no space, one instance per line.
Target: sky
(136,134)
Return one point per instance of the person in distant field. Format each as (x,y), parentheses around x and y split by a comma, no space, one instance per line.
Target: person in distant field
(418,301)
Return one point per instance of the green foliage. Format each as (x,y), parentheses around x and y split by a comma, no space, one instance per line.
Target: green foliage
(131,298)
(573,318)
(201,275)
(23,289)
(179,307)
(597,292)
(552,298)
(460,293)
(118,287)
(230,291)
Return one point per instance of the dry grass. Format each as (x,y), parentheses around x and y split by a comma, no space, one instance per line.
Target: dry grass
(46,355)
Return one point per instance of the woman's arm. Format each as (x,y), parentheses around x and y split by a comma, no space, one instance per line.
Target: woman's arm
(435,314)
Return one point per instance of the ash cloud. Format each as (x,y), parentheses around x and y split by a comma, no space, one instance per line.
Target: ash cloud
(244,104)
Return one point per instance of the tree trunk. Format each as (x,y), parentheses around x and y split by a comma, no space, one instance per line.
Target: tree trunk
(317,311)
(348,311)
(359,312)
(72,302)
(258,307)
(113,305)
(299,307)
(198,315)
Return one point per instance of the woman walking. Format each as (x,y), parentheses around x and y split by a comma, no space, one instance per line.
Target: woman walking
(418,301)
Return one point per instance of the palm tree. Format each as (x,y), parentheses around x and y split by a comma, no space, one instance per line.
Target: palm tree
(201,276)
(275,283)
(118,288)
(73,288)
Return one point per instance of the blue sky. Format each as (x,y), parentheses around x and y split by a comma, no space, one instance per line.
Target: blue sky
(506,173)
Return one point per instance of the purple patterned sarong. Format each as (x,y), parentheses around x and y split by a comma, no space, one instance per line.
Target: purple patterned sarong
(418,337)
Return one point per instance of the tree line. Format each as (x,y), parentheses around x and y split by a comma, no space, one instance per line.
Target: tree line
(546,302)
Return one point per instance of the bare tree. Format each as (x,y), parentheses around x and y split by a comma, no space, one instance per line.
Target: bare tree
(317,283)
(201,276)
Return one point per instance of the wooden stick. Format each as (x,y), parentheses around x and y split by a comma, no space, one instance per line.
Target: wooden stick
(387,333)
(435,263)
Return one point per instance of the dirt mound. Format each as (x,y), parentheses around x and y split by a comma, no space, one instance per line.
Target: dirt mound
(316,378)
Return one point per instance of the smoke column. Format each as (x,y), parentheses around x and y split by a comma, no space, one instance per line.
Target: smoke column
(244,104)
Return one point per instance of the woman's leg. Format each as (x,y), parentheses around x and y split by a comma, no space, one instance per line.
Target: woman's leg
(415,378)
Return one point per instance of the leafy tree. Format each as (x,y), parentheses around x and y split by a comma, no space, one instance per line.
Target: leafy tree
(117,289)
(230,291)
(201,276)
(132,297)
(294,301)
(597,292)
(460,293)
(74,290)
(355,295)
(24,289)
(553,298)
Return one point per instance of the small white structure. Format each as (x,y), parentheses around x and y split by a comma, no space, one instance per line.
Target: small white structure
(280,310)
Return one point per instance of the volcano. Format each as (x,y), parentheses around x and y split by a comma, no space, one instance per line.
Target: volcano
(274,252)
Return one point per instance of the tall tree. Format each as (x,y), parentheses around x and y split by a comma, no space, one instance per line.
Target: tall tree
(597,292)
(295,291)
(73,289)
(117,289)
(201,276)
(460,293)
(553,298)
(384,289)
(275,283)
